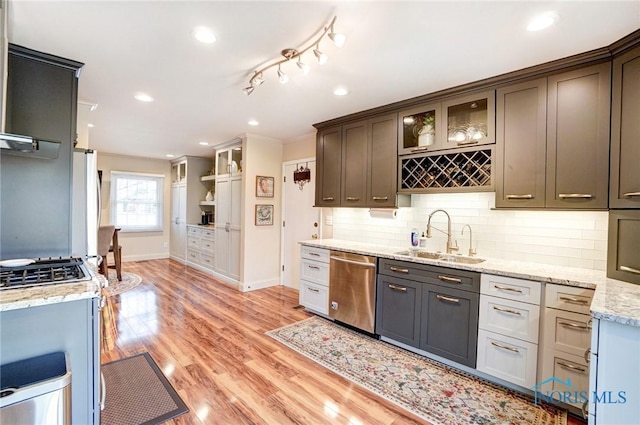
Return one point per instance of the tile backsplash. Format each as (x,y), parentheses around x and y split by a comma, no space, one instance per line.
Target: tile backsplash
(567,238)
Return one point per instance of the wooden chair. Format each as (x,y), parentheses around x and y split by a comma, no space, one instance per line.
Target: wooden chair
(107,239)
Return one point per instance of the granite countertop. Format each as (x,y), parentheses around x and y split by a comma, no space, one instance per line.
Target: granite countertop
(14,299)
(204,226)
(613,300)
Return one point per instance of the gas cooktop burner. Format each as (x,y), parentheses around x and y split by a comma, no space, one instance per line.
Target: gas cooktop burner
(44,272)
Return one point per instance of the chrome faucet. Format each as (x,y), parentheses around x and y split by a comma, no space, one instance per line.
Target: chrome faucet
(451,247)
(472,251)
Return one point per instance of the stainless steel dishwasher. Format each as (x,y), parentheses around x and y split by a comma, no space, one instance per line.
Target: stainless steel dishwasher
(352,290)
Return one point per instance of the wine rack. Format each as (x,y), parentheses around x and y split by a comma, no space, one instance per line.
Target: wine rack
(459,171)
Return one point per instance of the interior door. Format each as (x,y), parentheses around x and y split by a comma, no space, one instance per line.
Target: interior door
(301,221)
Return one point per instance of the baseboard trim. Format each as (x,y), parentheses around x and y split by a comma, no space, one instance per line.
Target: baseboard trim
(261,284)
(143,257)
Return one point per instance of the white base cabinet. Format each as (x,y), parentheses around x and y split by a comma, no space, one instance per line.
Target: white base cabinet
(508,325)
(201,251)
(615,374)
(314,279)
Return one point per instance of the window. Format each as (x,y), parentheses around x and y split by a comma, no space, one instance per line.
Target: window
(136,201)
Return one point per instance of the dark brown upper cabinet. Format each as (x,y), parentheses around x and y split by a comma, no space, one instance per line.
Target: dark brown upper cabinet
(578,124)
(625,131)
(357,164)
(623,261)
(469,120)
(553,141)
(329,167)
(521,133)
(419,129)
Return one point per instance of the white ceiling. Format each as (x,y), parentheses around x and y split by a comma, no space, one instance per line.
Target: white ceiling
(395,50)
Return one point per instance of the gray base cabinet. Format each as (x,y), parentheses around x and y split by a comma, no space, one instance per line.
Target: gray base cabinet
(449,323)
(428,307)
(623,260)
(398,309)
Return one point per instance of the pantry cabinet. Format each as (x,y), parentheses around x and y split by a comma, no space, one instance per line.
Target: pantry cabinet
(625,131)
(553,141)
(228,215)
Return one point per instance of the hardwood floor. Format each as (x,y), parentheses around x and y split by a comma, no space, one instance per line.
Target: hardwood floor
(208,339)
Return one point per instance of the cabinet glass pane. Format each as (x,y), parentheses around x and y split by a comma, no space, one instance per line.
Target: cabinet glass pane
(467,122)
(236,156)
(222,163)
(419,129)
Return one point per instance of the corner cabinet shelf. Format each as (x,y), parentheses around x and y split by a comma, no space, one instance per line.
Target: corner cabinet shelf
(468,170)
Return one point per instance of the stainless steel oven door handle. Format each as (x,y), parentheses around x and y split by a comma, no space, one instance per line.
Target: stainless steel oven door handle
(103,391)
(359,263)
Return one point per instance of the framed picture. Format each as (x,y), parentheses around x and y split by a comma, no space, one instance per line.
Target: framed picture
(264,215)
(264,187)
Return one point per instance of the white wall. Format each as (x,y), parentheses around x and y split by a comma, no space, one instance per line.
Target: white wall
(261,244)
(139,245)
(567,238)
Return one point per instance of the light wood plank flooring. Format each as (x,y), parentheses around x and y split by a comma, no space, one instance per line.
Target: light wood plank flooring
(208,339)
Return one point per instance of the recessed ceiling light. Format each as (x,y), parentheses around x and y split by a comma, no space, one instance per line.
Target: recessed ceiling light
(143,97)
(169,155)
(203,143)
(253,122)
(90,125)
(204,35)
(341,91)
(542,21)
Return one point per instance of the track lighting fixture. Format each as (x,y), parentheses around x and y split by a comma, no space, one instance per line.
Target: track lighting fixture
(288,54)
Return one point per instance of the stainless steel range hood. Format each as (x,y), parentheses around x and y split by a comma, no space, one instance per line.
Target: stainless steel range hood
(14,144)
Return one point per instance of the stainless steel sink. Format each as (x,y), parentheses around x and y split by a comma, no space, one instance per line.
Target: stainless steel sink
(442,257)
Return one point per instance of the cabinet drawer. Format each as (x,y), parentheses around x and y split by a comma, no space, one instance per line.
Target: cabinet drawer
(208,233)
(444,276)
(398,309)
(507,358)
(193,256)
(208,261)
(314,297)
(512,318)
(568,298)
(527,291)
(193,242)
(317,254)
(207,245)
(193,231)
(566,331)
(563,367)
(315,271)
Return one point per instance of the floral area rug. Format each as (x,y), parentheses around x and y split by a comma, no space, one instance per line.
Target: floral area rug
(426,388)
(129,281)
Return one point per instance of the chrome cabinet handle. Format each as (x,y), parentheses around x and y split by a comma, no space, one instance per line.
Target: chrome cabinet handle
(313,290)
(328,198)
(574,325)
(515,350)
(314,267)
(397,288)
(572,367)
(629,269)
(447,299)
(351,198)
(449,279)
(397,270)
(470,142)
(631,194)
(380,198)
(527,196)
(587,355)
(420,149)
(506,288)
(575,195)
(506,310)
(574,300)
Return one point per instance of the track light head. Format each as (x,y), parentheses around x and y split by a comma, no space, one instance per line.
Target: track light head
(257,79)
(283,77)
(337,38)
(322,57)
(303,66)
(248,90)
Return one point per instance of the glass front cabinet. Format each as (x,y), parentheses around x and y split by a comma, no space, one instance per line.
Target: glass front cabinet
(458,122)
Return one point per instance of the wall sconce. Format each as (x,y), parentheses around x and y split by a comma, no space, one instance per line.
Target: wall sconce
(338,39)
